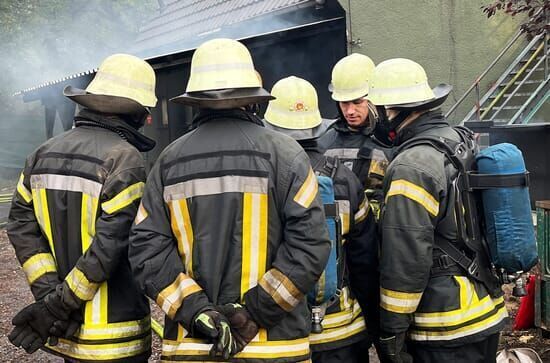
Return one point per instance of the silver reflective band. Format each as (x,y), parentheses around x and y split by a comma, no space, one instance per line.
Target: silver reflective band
(223,67)
(350,90)
(420,87)
(216,185)
(66,182)
(124,81)
(342,153)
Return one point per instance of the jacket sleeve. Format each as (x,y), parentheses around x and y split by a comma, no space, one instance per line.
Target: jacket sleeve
(117,208)
(303,253)
(361,249)
(156,263)
(411,208)
(31,246)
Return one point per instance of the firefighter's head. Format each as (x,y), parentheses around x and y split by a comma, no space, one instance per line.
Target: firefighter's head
(223,76)
(401,86)
(350,87)
(123,85)
(295,110)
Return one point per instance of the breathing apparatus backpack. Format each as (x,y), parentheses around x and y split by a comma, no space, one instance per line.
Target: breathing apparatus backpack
(492,209)
(327,290)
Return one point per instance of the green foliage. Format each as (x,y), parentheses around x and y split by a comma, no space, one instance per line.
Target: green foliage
(537,11)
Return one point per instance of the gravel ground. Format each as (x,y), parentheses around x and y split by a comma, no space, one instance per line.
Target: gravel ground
(15,295)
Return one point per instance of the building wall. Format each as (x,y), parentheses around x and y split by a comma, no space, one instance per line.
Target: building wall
(452,39)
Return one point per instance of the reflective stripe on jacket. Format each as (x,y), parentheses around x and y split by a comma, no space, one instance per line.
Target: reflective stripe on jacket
(359,151)
(344,323)
(231,213)
(69,223)
(441,310)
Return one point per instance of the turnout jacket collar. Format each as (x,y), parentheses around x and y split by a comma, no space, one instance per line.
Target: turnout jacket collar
(206,115)
(340,125)
(428,121)
(119,124)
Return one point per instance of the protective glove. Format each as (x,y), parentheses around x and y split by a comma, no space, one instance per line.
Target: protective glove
(392,348)
(243,327)
(65,328)
(25,337)
(215,327)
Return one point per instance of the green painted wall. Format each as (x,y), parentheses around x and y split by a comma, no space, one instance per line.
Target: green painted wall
(452,39)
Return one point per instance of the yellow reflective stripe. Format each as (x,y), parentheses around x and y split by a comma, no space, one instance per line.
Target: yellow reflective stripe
(341,318)
(38,265)
(79,284)
(42,214)
(254,240)
(345,303)
(344,211)
(124,198)
(119,330)
(339,333)
(101,352)
(362,212)
(141,214)
(307,191)
(421,335)
(261,350)
(415,193)
(171,298)
(399,302)
(88,215)
(182,332)
(281,289)
(23,191)
(180,221)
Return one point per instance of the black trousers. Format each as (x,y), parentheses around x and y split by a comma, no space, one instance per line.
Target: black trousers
(484,351)
(354,353)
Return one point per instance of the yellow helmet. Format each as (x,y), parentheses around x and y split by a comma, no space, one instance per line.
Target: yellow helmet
(402,83)
(351,77)
(222,76)
(295,110)
(123,84)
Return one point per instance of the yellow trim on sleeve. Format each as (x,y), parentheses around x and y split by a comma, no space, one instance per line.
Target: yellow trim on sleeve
(23,191)
(398,301)
(307,192)
(79,284)
(414,192)
(124,198)
(39,265)
(171,298)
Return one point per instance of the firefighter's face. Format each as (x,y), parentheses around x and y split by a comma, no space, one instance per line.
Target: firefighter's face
(356,112)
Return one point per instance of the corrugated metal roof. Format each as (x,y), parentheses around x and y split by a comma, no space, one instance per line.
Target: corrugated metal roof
(184,19)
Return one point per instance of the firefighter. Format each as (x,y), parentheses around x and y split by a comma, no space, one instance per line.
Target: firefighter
(70,220)
(353,138)
(231,231)
(426,299)
(295,113)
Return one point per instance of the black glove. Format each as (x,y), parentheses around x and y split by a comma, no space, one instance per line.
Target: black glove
(392,348)
(243,327)
(66,328)
(215,327)
(25,337)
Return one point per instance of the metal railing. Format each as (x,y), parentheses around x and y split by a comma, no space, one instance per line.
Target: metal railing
(481,112)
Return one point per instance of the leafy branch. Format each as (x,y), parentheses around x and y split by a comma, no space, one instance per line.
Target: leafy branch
(537,11)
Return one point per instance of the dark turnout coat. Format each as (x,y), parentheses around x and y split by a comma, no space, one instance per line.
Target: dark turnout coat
(357,312)
(69,223)
(231,214)
(443,308)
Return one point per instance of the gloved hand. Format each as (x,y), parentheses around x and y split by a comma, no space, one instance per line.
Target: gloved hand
(65,328)
(243,327)
(42,315)
(25,337)
(215,327)
(392,348)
